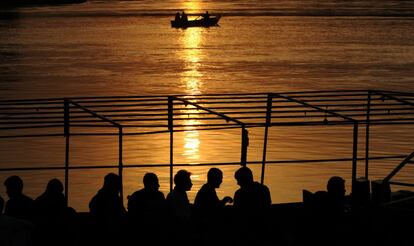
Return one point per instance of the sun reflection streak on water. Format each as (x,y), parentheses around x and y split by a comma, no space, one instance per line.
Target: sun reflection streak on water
(191,79)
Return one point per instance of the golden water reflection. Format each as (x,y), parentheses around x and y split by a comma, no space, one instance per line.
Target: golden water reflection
(192,60)
(191,78)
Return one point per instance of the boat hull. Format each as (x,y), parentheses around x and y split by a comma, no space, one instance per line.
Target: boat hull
(212,21)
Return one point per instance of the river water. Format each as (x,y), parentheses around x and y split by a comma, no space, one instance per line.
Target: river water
(123,48)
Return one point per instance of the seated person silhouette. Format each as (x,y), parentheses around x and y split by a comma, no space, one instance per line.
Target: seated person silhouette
(19,205)
(108,212)
(177,200)
(330,201)
(336,195)
(147,211)
(54,219)
(206,203)
(52,203)
(14,231)
(252,196)
(210,214)
(147,204)
(179,209)
(107,205)
(252,203)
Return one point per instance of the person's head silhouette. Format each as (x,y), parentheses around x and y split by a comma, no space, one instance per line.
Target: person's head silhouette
(14,186)
(112,183)
(215,177)
(336,187)
(54,186)
(244,176)
(151,182)
(182,180)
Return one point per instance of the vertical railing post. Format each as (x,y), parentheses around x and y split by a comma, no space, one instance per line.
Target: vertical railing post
(120,164)
(367,125)
(66,126)
(354,156)
(244,145)
(171,129)
(268,121)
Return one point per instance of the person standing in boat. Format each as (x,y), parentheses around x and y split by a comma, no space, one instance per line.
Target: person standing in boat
(206,16)
(177,17)
(184,17)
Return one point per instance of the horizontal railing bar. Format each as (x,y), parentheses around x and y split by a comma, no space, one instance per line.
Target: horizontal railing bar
(197,164)
(200,101)
(401,183)
(392,97)
(248,125)
(30,127)
(75,118)
(395,92)
(59,114)
(212,108)
(205,95)
(372,121)
(154,132)
(34,135)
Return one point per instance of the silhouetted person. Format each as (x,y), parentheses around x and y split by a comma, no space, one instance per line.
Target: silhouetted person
(14,231)
(209,210)
(54,220)
(177,199)
(336,194)
(184,18)
(327,212)
(207,203)
(206,16)
(177,17)
(147,204)
(251,202)
(179,208)
(147,210)
(19,205)
(52,202)
(252,196)
(108,210)
(332,201)
(107,205)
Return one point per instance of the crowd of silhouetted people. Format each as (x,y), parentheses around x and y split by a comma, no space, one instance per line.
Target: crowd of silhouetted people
(150,217)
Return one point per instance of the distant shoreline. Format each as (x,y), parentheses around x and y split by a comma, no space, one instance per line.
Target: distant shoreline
(22,3)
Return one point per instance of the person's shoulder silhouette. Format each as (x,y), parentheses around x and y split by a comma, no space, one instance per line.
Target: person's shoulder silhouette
(251,195)
(148,202)
(19,205)
(206,202)
(52,202)
(177,200)
(107,202)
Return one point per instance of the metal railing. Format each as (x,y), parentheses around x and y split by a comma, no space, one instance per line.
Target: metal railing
(141,115)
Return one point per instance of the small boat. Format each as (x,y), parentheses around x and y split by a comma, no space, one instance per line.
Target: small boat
(203,22)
